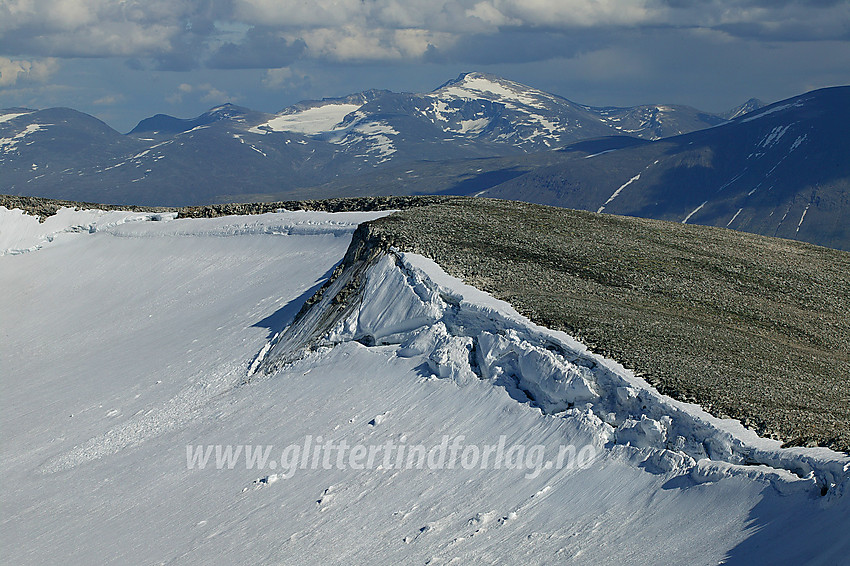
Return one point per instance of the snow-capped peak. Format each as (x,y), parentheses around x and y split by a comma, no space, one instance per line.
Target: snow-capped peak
(481,85)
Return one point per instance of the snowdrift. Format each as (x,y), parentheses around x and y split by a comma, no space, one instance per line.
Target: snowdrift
(130,341)
(464,334)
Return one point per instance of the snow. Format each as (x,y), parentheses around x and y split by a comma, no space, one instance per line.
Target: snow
(328,119)
(694,211)
(798,142)
(796,104)
(803,217)
(195,129)
(409,301)
(128,347)
(20,233)
(477,86)
(773,137)
(734,217)
(9,144)
(311,121)
(600,153)
(732,180)
(374,135)
(12,116)
(473,126)
(618,191)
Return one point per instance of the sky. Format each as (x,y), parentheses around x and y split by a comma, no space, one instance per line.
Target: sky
(125,60)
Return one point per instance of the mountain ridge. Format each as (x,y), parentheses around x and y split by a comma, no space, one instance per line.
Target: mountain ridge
(779,169)
(232,150)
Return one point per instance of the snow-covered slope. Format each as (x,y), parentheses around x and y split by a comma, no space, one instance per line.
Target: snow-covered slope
(126,358)
(316,120)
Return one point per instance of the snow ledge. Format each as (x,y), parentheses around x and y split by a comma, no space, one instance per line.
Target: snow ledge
(464,334)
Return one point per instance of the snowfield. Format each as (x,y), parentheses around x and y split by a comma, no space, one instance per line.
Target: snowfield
(139,351)
(311,121)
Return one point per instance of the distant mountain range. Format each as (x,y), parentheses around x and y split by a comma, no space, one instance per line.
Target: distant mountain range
(231,151)
(779,170)
(783,171)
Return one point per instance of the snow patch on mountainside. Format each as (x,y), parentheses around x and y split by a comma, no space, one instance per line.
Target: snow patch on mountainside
(618,191)
(799,103)
(371,137)
(8,145)
(311,121)
(12,116)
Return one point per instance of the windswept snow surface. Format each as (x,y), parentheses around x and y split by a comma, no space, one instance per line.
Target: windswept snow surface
(20,233)
(310,121)
(125,345)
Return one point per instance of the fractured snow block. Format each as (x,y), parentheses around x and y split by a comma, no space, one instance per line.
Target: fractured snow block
(450,359)
(645,433)
(422,340)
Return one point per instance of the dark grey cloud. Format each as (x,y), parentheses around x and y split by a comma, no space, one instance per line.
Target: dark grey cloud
(793,31)
(517,46)
(181,34)
(262,48)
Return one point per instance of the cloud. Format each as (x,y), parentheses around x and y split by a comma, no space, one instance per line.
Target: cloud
(36,70)
(286,78)
(206,93)
(109,100)
(485,31)
(442,15)
(262,48)
(353,44)
(278,78)
(515,46)
(159,29)
(179,35)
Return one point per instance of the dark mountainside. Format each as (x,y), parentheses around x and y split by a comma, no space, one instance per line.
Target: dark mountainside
(234,153)
(781,171)
(751,327)
(777,170)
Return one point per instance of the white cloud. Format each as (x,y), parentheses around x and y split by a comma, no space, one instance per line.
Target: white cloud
(278,78)
(577,13)
(351,43)
(205,93)
(109,100)
(214,95)
(444,15)
(36,70)
(93,28)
